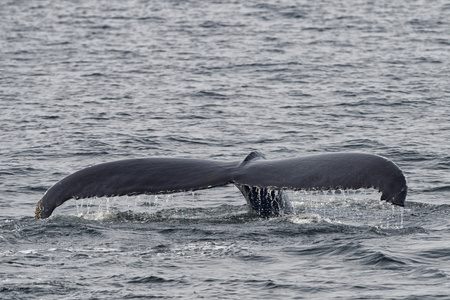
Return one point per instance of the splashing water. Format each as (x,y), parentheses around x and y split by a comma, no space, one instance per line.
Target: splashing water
(349,207)
(360,207)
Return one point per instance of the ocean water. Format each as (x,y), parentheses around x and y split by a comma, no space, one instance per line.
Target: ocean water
(84,82)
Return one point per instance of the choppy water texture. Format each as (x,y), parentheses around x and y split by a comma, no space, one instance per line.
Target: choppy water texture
(83,82)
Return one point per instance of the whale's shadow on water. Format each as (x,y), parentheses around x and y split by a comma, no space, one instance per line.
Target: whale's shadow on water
(264,183)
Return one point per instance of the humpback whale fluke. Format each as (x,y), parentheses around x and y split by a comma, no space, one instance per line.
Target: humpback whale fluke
(262,182)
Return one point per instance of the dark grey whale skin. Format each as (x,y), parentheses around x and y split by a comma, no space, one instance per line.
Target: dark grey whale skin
(261,181)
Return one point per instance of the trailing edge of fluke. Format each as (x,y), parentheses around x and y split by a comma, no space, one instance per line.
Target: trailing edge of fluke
(262,182)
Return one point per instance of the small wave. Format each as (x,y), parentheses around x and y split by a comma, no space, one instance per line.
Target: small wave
(433,273)
(150,279)
(95,74)
(209,94)
(435,253)
(380,259)
(398,231)
(444,188)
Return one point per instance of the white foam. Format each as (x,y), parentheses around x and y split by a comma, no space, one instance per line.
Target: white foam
(305,219)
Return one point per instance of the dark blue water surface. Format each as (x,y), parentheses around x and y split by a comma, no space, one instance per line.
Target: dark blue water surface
(84,82)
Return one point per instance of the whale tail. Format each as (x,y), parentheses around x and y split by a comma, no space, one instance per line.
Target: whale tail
(262,182)
(264,201)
